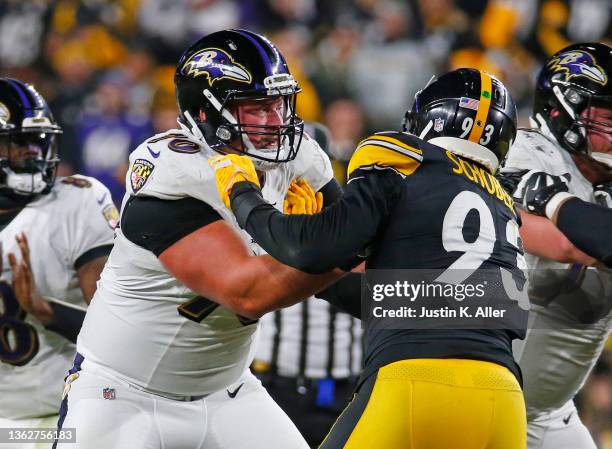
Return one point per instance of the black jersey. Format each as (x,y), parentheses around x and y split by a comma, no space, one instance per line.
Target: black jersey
(408,205)
(448,213)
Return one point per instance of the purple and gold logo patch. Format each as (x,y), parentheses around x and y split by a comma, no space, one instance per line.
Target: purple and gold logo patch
(216,64)
(111,215)
(578,63)
(140,173)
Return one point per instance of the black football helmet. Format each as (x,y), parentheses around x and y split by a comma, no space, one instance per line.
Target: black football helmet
(28,144)
(224,68)
(468,112)
(571,81)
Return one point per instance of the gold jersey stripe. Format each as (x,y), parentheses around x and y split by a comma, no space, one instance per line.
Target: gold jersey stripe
(486,92)
(392,140)
(371,155)
(391,146)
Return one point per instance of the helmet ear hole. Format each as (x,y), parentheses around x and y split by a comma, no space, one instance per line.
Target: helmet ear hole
(224,134)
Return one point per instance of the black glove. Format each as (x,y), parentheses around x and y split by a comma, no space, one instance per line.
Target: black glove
(603,194)
(537,191)
(510,179)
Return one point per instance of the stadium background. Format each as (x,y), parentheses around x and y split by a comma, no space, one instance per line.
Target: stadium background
(106,68)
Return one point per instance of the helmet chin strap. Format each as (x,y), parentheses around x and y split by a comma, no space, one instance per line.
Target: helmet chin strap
(563,102)
(539,122)
(426,130)
(193,127)
(260,165)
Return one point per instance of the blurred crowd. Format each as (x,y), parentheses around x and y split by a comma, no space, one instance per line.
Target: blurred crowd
(106,67)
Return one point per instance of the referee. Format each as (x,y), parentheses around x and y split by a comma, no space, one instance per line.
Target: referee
(309,355)
(308,359)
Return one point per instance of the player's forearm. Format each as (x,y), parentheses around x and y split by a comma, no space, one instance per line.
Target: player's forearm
(588,226)
(317,243)
(542,238)
(262,284)
(88,276)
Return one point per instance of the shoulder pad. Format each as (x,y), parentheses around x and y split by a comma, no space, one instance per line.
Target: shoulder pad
(77,181)
(174,141)
(174,174)
(389,149)
(77,188)
(533,150)
(82,182)
(407,138)
(309,148)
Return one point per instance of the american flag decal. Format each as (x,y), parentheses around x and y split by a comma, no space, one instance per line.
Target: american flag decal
(469,103)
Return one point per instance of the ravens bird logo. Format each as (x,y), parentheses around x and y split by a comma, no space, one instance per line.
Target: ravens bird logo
(578,63)
(216,64)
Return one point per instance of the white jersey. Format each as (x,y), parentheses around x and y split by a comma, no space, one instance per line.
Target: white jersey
(61,227)
(558,353)
(145,341)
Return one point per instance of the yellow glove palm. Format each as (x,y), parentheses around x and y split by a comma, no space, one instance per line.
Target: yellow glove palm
(230,169)
(302,199)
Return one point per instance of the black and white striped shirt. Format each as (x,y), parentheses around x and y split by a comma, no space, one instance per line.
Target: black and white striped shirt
(312,340)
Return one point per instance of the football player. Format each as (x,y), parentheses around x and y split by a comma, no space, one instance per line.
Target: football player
(421,199)
(570,138)
(179,298)
(55,236)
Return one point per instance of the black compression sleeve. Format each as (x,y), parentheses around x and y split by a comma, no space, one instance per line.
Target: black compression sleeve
(93,253)
(156,224)
(318,243)
(331,192)
(588,226)
(345,294)
(67,321)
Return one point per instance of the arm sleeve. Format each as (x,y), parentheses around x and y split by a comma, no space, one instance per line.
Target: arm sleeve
(331,191)
(156,224)
(345,294)
(318,243)
(67,321)
(587,226)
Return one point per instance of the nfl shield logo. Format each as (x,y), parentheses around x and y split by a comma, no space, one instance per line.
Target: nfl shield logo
(438,125)
(108,393)
(141,170)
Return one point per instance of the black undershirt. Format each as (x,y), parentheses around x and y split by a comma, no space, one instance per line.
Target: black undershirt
(156,224)
(589,227)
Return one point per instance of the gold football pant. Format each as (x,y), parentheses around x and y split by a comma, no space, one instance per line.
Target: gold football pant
(434,404)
